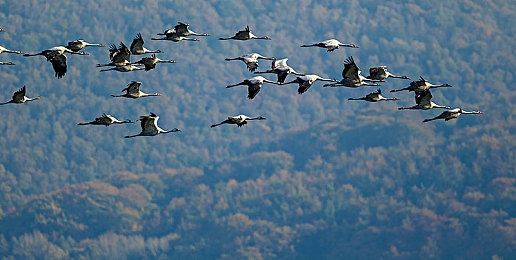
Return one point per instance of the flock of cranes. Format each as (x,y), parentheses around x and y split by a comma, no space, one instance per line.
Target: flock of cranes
(120,61)
(351,77)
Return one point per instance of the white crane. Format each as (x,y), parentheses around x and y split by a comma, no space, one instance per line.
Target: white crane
(3,49)
(251,60)
(133,91)
(6,63)
(239,120)
(424,102)
(331,45)
(78,45)
(182,29)
(137,46)
(421,85)
(306,81)
(452,114)
(244,35)
(149,125)
(19,97)
(106,120)
(254,85)
(381,73)
(374,97)
(150,62)
(351,76)
(280,68)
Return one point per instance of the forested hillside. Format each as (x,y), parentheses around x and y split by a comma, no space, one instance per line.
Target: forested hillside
(321,178)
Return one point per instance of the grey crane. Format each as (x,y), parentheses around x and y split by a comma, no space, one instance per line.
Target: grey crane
(374,97)
(149,125)
(251,60)
(306,81)
(19,97)
(351,76)
(244,35)
(133,91)
(137,46)
(124,68)
(254,85)
(150,62)
(106,120)
(424,102)
(182,29)
(239,120)
(331,45)
(452,114)
(175,38)
(381,73)
(281,68)
(421,85)
(79,44)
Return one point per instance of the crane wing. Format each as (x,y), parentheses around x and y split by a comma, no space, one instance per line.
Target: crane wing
(350,69)
(279,63)
(113,50)
(52,53)
(423,98)
(105,119)
(418,83)
(137,43)
(101,118)
(282,74)
(304,85)
(19,94)
(243,33)
(233,119)
(181,28)
(59,65)
(251,65)
(148,124)
(124,51)
(75,45)
(373,95)
(374,72)
(253,90)
(133,87)
(119,55)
